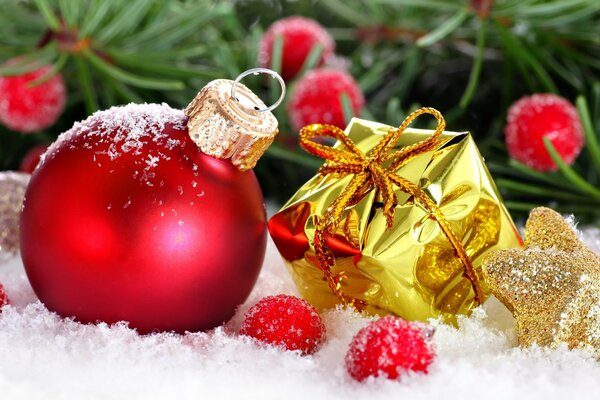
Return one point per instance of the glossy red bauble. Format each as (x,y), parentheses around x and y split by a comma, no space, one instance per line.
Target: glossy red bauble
(125,219)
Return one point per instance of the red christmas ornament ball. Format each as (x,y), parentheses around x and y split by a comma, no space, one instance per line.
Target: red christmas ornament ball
(316,98)
(530,119)
(285,321)
(32,158)
(125,219)
(299,35)
(389,347)
(3,298)
(28,109)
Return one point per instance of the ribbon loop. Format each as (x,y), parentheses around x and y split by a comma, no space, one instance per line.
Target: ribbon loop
(310,132)
(376,170)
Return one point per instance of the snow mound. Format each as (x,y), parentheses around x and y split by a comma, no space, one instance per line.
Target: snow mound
(43,356)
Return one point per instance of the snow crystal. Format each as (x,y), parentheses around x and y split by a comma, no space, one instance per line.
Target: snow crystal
(45,357)
(125,129)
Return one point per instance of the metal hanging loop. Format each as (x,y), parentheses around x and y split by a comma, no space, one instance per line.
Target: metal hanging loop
(266,71)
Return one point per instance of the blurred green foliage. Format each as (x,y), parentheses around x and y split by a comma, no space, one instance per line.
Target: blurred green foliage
(469,59)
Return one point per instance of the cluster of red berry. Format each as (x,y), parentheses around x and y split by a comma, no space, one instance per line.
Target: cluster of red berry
(386,347)
(316,97)
(317,94)
(34,100)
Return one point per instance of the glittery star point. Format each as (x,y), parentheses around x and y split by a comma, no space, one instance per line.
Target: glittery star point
(552,286)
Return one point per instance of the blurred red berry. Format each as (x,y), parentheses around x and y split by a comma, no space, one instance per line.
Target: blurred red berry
(317,98)
(28,109)
(32,158)
(530,119)
(299,36)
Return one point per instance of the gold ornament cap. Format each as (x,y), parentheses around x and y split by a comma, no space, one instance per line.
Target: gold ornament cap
(228,121)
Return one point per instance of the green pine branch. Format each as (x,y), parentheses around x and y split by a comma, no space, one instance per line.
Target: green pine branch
(470,59)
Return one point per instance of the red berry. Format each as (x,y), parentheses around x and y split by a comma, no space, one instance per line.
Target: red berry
(285,321)
(388,347)
(299,36)
(32,158)
(316,98)
(530,119)
(3,298)
(28,109)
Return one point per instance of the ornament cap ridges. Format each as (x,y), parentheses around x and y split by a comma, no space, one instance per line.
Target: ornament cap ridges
(230,128)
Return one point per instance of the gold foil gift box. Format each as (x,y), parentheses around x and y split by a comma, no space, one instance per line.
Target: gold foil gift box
(397,220)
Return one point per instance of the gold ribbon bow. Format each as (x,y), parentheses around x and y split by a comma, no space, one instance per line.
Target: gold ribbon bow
(377,170)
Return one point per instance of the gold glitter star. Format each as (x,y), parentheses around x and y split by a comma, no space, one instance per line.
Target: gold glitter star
(552,287)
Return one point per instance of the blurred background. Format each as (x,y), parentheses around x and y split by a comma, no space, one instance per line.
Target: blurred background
(470,59)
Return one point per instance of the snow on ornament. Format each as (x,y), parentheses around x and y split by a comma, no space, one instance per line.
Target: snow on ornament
(151,215)
(12,190)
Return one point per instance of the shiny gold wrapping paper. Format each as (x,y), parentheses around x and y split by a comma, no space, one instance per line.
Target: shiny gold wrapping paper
(410,270)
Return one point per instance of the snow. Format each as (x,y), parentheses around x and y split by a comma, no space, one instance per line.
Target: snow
(45,357)
(125,129)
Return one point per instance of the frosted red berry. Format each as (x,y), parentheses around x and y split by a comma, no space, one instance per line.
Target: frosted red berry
(389,347)
(299,36)
(285,321)
(530,119)
(3,297)
(32,158)
(29,109)
(316,98)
